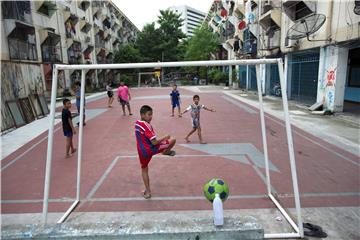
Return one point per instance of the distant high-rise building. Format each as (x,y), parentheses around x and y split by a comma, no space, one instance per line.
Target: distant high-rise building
(192,18)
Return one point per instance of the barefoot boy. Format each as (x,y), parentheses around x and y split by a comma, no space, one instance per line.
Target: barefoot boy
(195,117)
(175,100)
(68,127)
(148,145)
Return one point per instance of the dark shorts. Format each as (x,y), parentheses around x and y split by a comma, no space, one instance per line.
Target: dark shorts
(68,133)
(123,102)
(175,104)
(110,94)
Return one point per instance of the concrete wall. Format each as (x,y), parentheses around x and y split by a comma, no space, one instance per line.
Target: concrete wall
(18,80)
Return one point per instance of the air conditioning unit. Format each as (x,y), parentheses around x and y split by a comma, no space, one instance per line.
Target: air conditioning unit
(289,43)
(67,9)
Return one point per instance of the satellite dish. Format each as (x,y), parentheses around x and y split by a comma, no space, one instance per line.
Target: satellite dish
(306,26)
(357,7)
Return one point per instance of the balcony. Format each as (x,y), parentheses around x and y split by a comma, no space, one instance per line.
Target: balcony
(298,9)
(22,42)
(84,4)
(75,53)
(51,54)
(87,52)
(70,22)
(50,46)
(46,7)
(85,26)
(17,10)
(271,19)
(250,43)
(106,22)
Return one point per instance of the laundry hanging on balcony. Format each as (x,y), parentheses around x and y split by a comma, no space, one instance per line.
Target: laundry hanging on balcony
(249,15)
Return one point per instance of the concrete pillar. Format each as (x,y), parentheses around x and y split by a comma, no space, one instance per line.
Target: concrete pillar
(332,77)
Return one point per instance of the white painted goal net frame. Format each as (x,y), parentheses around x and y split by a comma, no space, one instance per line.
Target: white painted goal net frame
(297,225)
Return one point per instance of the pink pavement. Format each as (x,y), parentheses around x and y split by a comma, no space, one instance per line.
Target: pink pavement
(328,176)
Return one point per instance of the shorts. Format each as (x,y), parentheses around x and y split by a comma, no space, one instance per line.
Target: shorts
(144,161)
(110,94)
(175,104)
(195,122)
(68,133)
(123,102)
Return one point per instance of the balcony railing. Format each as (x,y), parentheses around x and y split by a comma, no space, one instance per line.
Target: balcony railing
(51,54)
(21,50)
(20,10)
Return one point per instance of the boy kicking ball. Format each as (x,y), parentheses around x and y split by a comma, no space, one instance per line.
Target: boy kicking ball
(195,117)
(149,145)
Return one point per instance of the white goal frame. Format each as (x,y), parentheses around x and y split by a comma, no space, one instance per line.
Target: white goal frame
(296,225)
(146,73)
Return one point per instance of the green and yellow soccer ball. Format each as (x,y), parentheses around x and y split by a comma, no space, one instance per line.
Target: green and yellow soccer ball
(214,186)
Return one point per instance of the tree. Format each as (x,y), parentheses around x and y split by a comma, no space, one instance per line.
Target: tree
(149,43)
(171,34)
(201,45)
(127,54)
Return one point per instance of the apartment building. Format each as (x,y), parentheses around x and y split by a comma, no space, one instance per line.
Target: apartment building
(192,17)
(37,34)
(319,42)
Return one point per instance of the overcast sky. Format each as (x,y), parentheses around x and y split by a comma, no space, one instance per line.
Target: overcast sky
(141,12)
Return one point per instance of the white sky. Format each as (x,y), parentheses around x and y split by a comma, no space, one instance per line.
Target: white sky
(141,12)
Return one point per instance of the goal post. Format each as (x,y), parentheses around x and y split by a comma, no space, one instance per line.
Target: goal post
(296,225)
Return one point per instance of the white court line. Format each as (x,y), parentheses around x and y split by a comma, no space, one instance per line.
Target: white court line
(102,178)
(181,198)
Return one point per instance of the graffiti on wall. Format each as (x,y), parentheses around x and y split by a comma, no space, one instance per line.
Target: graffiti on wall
(330,89)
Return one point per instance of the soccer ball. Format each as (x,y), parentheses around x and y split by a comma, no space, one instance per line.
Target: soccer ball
(216,186)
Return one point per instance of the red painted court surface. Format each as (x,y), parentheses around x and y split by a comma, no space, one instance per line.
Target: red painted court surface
(111,176)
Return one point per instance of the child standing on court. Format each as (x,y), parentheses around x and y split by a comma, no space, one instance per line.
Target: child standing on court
(124,97)
(148,145)
(110,94)
(195,117)
(68,127)
(175,100)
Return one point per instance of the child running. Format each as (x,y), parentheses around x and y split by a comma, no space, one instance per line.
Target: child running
(148,145)
(68,127)
(195,117)
(175,100)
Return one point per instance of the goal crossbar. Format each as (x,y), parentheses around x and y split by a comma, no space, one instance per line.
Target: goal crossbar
(296,225)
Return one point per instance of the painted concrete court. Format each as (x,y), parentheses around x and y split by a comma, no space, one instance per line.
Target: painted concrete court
(111,180)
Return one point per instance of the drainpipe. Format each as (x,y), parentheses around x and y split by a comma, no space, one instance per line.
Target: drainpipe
(329,16)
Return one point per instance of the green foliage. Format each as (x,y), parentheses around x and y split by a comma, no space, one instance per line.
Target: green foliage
(217,77)
(163,43)
(202,44)
(171,34)
(127,54)
(149,43)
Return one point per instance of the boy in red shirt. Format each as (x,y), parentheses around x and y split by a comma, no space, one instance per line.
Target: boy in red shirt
(149,145)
